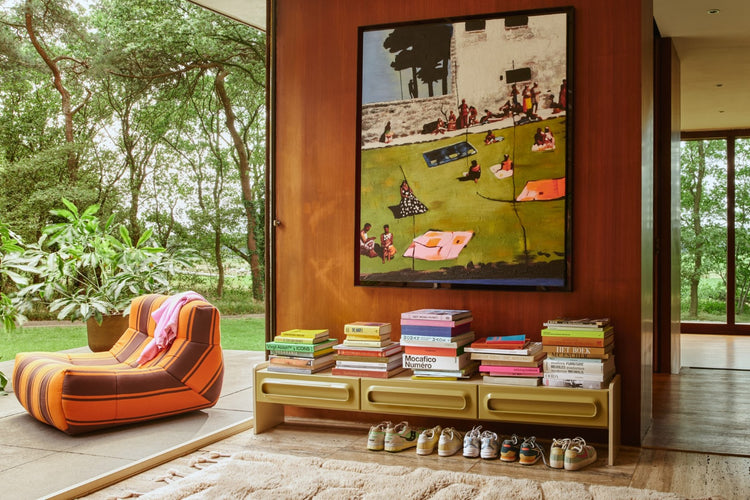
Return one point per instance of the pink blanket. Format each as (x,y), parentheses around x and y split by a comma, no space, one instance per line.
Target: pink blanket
(166,318)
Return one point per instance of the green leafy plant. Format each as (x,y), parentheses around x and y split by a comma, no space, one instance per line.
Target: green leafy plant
(17,262)
(91,269)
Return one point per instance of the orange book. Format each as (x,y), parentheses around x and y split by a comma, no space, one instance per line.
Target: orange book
(578,341)
(434,351)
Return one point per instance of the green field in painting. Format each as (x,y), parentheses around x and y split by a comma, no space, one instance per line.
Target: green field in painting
(505,231)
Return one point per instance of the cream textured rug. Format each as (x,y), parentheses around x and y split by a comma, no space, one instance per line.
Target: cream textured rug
(259,475)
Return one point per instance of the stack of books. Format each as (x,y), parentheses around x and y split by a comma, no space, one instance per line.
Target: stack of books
(580,353)
(301,351)
(434,343)
(368,351)
(508,360)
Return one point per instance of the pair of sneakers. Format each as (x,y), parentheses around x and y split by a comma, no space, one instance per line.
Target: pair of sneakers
(478,443)
(526,451)
(392,438)
(571,454)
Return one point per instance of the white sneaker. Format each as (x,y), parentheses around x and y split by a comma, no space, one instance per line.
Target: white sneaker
(376,437)
(427,440)
(400,437)
(490,447)
(450,442)
(472,442)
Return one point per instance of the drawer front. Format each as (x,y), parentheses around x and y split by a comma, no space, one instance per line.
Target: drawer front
(409,397)
(314,391)
(544,405)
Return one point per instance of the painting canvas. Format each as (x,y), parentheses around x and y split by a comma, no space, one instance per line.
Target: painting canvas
(465,152)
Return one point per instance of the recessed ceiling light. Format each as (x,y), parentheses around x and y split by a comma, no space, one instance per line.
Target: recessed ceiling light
(713,11)
(721,111)
(719,84)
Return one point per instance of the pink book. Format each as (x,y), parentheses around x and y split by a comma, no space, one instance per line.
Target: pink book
(432,322)
(511,370)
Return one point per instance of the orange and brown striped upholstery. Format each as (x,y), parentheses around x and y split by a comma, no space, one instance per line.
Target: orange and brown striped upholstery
(81,392)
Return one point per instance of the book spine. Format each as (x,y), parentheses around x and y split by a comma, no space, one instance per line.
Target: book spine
(434,331)
(590,377)
(434,351)
(304,334)
(583,384)
(364,359)
(290,347)
(425,362)
(567,349)
(577,341)
(508,358)
(432,316)
(287,361)
(361,354)
(365,336)
(293,340)
(574,367)
(515,370)
(372,329)
(424,338)
(427,322)
(553,355)
(549,332)
(347,372)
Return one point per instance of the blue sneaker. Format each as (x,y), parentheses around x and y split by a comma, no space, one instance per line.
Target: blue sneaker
(490,446)
(472,442)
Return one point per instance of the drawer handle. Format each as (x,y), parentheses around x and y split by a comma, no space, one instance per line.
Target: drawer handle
(515,402)
(437,394)
(306,384)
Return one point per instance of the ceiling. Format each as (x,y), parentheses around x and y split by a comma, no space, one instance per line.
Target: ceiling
(714,53)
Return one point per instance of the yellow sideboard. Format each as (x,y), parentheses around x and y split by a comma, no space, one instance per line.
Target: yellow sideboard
(468,399)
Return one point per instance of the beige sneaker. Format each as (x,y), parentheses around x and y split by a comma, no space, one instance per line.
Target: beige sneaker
(579,455)
(376,437)
(400,437)
(450,442)
(428,440)
(557,452)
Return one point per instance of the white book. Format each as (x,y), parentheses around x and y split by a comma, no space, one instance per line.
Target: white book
(579,365)
(429,362)
(498,380)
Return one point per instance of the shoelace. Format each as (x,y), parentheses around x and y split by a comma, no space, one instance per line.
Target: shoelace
(531,442)
(489,435)
(514,439)
(429,433)
(451,431)
(382,426)
(562,443)
(577,444)
(475,432)
(401,427)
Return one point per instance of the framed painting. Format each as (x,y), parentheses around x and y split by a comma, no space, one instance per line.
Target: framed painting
(464,158)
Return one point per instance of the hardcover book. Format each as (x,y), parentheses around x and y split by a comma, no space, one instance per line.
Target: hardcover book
(354,372)
(437,314)
(424,340)
(443,323)
(426,362)
(532,348)
(302,362)
(305,334)
(564,350)
(502,380)
(367,343)
(298,369)
(584,323)
(434,351)
(579,366)
(384,351)
(367,327)
(311,354)
(511,370)
(435,331)
(578,341)
(284,346)
(581,333)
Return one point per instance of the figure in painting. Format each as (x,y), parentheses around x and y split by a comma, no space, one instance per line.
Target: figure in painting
(409,204)
(367,243)
(452,121)
(386,243)
(387,135)
(463,115)
(474,173)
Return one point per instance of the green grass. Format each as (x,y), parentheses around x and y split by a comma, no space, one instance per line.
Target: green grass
(244,334)
(484,208)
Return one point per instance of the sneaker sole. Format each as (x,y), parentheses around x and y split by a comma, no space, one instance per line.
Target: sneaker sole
(447,453)
(527,461)
(424,451)
(488,457)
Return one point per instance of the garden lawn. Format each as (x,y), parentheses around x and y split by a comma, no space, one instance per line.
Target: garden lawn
(243,334)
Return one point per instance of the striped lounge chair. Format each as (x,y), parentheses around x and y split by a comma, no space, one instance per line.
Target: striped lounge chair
(81,392)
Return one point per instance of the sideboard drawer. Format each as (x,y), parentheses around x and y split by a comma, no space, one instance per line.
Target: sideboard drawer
(544,405)
(315,391)
(438,399)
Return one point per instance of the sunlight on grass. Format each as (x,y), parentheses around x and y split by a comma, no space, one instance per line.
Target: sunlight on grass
(244,334)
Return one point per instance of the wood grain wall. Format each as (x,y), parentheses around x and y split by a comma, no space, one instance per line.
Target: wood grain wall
(313,137)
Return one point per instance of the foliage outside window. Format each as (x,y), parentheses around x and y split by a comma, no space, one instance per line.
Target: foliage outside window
(715,232)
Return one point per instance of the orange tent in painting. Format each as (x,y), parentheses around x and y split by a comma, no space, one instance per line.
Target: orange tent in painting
(543,189)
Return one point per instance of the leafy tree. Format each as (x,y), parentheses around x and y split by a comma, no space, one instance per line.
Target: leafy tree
(424,48)
(703,214)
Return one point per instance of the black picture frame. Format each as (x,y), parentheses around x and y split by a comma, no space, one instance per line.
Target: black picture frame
(465,152)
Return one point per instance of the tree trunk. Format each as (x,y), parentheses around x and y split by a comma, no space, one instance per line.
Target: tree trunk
(247,192)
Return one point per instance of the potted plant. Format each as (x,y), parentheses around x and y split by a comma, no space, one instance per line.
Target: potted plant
(91,271)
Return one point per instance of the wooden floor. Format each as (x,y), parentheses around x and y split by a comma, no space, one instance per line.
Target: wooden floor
(704,409)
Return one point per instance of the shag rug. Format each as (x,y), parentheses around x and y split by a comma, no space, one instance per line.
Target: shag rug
(259,475)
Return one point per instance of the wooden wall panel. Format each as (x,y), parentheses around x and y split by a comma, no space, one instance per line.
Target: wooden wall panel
(315,114)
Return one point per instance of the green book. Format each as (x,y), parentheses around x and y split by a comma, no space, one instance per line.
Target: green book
(588,334)
(294,347)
